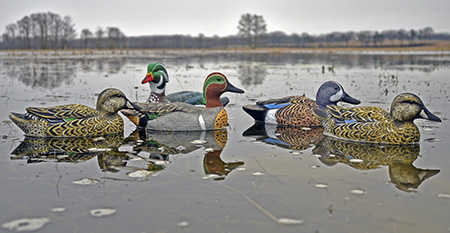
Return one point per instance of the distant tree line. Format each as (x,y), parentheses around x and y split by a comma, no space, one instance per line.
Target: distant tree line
(51,31)
(39,31)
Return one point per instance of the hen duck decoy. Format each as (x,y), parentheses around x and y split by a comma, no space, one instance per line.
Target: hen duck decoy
(157,77)
(298,110)
(180,116)
(375,125)
(75,120)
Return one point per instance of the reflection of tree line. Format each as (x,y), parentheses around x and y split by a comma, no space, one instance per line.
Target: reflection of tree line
(423,63)
(251,74)
(52,74)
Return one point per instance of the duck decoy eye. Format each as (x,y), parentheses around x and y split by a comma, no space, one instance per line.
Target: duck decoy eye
(117,96)
(410,102)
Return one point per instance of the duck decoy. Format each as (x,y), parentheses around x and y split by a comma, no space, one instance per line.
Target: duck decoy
(157,77)
(298,110)
(76,120)
(375,125)
(180,116)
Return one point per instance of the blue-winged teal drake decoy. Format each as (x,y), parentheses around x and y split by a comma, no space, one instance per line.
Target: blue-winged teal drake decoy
(179,116)
(298,110)
(157,77)
(375,125)
(75,120)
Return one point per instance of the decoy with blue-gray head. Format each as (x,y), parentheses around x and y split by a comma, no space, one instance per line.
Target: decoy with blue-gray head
(157,77)
(179,116)
(298,110)
(76,120)
(375,125)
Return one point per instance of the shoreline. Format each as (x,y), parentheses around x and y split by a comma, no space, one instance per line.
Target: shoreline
(146,53)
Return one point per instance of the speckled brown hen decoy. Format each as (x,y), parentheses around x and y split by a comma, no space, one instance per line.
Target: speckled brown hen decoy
(375,125)
(75,120)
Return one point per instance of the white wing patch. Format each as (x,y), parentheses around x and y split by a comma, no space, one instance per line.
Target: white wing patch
(270,116)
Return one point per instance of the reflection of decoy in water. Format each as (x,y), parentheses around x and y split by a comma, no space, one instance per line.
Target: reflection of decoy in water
(366,156)
(407,177)
(295,138)
(160,145)
(167,143)
(75,120)
(298,110)
(114,161)
(213,164)
(64,149)
(375,125)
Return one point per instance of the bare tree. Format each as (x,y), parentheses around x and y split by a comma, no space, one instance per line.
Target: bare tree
(55,26)
(251,27)
(99,33)
(259,28)
(68,31)
(11,31)
(115,36)
(85,35)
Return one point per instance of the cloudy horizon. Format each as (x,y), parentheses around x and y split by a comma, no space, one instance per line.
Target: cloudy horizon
(140,17)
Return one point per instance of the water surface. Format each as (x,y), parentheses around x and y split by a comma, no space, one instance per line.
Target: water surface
(239,180)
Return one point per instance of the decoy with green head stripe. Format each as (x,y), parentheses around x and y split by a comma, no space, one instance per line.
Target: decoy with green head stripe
(181,116)
(157,77)
(375,125)
(76,120)
(298,110)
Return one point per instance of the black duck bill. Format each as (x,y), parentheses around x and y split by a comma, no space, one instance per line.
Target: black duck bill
(426,114)
(348,99)
(131,105)
(232,88)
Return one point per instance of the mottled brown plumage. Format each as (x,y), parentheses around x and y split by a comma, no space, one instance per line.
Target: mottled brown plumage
(298,110)
(298,113)
(75,120)
(371,124)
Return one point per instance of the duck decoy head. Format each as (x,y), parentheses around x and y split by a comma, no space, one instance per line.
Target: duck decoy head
(215,85)
(112,100)
(331,92)
(157,77)
(407,107)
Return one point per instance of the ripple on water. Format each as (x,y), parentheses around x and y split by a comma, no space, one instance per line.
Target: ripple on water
(26,224)
(102,212)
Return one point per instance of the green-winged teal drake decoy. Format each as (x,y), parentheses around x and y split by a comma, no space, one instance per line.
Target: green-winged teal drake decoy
(298,110)
(375,125)
(75,120)
(179,116)
(157,77)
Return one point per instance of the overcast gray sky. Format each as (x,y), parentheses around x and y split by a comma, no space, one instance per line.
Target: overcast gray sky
(145,17)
